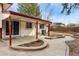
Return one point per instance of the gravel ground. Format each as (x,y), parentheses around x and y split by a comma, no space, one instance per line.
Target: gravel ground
(57,47)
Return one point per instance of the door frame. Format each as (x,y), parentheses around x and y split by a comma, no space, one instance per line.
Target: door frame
(12,28)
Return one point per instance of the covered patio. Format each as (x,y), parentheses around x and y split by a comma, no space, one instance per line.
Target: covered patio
(22,19)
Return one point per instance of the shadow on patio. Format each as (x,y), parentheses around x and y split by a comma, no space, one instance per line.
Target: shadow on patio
(20,40)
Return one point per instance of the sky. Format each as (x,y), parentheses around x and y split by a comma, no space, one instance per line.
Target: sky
(55,16)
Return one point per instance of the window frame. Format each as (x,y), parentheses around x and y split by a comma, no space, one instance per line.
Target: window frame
(42,26)
(29,25)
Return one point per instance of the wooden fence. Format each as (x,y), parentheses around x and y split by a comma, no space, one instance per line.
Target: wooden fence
(65,29)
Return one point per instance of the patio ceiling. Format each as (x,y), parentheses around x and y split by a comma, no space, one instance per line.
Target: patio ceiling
(22,17)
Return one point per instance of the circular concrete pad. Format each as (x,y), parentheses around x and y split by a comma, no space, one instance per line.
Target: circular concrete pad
(44,45)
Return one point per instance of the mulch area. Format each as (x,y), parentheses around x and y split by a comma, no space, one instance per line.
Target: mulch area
(33,44)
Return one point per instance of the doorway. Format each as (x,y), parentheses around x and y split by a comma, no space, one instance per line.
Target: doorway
(15,28)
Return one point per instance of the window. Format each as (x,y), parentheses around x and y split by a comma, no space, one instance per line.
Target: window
(41,26)
(28,25)
(43,32)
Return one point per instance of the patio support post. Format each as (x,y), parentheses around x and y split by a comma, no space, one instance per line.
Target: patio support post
(10,31)
(36,29)
(2,7)
(48,29)
(2,25)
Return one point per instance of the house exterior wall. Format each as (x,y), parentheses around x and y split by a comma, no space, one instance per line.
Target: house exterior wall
(0,24)
(23,31)
(45,28)
(0,19)
(31,32)
(26,31)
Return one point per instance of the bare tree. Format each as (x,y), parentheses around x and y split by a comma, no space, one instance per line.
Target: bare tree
(68,7)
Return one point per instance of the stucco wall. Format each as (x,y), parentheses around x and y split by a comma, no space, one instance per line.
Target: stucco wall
(45,28)
(26,31)
(23,31)
(31,32)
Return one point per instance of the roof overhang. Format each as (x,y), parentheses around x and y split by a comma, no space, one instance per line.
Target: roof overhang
(20,14)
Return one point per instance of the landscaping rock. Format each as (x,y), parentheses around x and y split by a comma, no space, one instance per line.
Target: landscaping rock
(73,47)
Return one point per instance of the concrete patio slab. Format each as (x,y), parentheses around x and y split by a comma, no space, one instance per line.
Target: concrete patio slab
(57,47)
